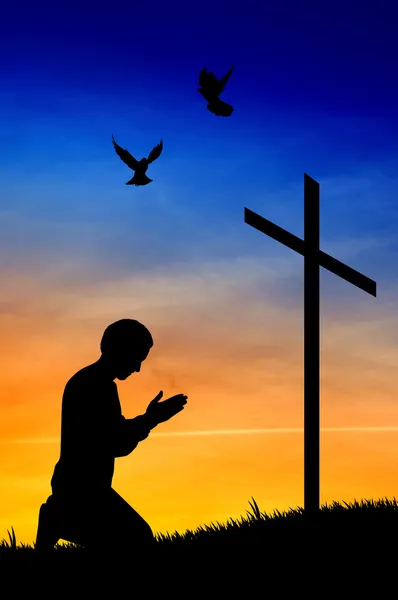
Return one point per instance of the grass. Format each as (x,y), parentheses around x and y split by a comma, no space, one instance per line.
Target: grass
(253,545)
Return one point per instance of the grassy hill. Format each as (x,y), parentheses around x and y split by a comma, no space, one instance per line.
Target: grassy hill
(257,550)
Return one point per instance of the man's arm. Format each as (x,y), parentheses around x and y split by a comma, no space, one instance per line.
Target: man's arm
(133,431)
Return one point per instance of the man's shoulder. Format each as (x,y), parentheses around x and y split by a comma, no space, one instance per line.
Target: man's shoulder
(87,377)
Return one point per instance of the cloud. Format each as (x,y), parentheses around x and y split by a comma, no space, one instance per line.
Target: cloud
(209,294)
(218,432)
(76,230)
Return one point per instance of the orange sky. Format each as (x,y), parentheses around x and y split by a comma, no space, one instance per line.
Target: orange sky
(237,354)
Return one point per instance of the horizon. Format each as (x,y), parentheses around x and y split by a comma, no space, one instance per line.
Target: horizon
(312,93)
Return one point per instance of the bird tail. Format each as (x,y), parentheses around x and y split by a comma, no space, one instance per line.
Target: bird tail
(139,179)
(220,108)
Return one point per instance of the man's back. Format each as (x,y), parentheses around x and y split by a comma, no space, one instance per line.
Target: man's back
(91,421)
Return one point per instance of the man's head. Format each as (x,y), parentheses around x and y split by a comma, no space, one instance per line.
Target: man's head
(125,344)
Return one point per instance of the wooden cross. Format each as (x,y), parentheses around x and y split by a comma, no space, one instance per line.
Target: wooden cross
(313,259)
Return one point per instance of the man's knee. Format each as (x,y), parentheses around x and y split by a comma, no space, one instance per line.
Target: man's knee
(139,530)
(149,537)
(130,522)
(128,541)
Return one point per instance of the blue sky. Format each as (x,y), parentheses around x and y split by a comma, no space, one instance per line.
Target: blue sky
(314,90)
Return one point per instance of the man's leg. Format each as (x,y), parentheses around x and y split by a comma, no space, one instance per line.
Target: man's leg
(47,530)
(119,530)
(105,524)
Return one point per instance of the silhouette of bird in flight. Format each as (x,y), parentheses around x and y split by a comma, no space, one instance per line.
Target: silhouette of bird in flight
(211,88)
(140,167)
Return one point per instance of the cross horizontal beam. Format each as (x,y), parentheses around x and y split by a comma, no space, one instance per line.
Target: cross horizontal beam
(325,260)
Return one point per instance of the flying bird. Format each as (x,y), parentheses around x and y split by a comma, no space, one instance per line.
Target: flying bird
(140,167)
(211,88)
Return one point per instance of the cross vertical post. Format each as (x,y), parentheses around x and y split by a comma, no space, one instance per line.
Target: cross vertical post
(311,347)
(313,259)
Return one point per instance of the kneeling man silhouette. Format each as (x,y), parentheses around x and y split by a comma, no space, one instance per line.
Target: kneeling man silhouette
(84,508)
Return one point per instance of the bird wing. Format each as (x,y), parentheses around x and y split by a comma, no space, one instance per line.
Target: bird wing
(208,80)
(220,108)
(125,155)
(224,79)
(155,152)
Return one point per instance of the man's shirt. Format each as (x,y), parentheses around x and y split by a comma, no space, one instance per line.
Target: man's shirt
(93,433)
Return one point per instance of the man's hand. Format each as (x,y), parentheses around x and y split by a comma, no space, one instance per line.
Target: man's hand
(163,411)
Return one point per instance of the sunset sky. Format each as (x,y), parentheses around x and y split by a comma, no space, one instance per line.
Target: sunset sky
(315,91)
